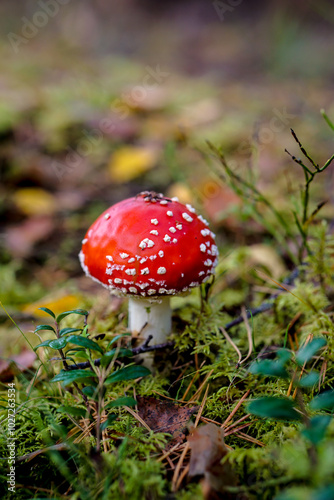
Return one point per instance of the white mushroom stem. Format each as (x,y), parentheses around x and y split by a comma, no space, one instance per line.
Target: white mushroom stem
(150,318)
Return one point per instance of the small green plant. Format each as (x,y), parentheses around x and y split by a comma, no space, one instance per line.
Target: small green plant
(97,373)
(315,415)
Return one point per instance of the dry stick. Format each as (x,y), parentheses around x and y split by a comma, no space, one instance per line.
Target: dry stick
(233,412)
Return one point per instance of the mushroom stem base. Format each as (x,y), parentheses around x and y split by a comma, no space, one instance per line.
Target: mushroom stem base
(150,318)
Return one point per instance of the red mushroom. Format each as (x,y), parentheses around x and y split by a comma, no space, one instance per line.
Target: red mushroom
(148,248)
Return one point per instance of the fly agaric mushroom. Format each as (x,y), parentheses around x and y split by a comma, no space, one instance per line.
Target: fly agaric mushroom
(148,248)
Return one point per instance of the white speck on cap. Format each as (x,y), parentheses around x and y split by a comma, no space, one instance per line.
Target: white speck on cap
(109,270)
(214,250)
(124,255)
(109,257)
(161,253)
(202,247)
(194,283)
(174,240)
(89,233)
(187,217)
(203,220)
(150,291)
(172,229)
(143,285)
(154,231)
(131,272)
(208,262)
(205,232)
(182,275)
(133,289)
(126,282)
(152,257)
(163,202)
(124,290)
(131,260)
(146,243)
(162,290)
(162,270)
(175,198)
(145,271)
(206,279)
(190,208)
(107,216)
(154,221)
(207,243)
(179,226)
(118,280)
(84,241)
(167,238)
(171,291)
(212,235)
(144,259)
(201,273)
(170,213)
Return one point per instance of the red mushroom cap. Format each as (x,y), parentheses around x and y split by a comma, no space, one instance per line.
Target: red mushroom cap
(149,245)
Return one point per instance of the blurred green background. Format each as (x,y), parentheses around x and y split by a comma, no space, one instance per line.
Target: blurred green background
(100,100)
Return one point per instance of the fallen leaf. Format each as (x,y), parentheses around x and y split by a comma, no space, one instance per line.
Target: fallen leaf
(35,201)
(16,364)
(207,450)
(267,257)
(127,163)
(165,416)
(64,303)
(20,239)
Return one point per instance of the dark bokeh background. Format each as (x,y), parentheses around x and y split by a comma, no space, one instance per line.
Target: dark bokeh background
(100,100)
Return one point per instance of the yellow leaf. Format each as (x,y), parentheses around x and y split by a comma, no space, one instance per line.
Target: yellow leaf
(35,201)
(64,303)
(127,163)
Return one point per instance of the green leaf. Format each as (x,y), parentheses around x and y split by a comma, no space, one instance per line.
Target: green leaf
(309,380)
(48,311)
(316,430)
(72,410)
(43,344)
(324,401)
(91,392)
(117,338)
(107,422)
(108,356)
(58,343)
(306,352)
(127,373)
(269,368)
(67,377)
(45,327)
(84,342)
(126,401)
(274,407)
(63,315)
(65,331)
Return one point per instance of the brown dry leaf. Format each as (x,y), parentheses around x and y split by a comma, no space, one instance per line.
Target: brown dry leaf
(20,239)
(267,257)
(165,416)
(207,450)
(16,364)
